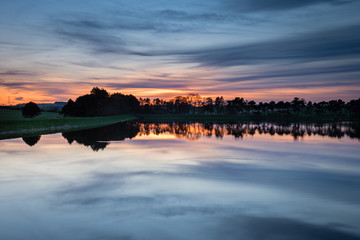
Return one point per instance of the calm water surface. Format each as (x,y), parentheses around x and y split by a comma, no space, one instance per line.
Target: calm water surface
(187,181)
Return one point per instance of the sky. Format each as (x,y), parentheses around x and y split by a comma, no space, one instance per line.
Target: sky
(261,50)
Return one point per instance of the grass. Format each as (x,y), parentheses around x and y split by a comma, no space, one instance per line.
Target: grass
(16,115)
(13,125)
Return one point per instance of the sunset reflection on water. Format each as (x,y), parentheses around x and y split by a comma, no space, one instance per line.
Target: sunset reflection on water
(183,181)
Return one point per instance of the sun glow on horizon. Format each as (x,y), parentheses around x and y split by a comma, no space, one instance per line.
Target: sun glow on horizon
(11,96)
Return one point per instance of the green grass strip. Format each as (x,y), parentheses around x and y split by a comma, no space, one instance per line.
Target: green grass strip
(12,128)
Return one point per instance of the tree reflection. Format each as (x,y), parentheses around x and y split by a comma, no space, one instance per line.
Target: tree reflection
(98,138)
(193,131)
(31,141)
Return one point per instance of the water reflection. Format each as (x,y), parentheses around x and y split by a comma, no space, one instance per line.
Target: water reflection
(194,131)
(98,138)
(31,141)
(160,185)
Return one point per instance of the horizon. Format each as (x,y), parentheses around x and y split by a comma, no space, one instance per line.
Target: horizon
(202,99)
(53,51)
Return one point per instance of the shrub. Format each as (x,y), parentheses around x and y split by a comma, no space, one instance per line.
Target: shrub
(30,110)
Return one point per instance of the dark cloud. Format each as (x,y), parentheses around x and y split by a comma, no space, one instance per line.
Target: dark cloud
(172,15)
(91,64)
(19,98)
(108,236)
(102,33)
(283,85)
(91,201)
(96,42)
(99,43)
(246,227)
(115,24)
(149,83)
(331,44)
(17,73)
(311,46)
(95,35)
(88,24)
(202,21)
(48,87)
(325,185)
(89,28)
(100,182)
(13,84)
(296,73)
(276,5)
(177,211)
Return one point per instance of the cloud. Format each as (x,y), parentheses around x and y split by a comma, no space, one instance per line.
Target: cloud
(17,73)
(326,185)
(120,23)
(149,83)
(19,98)
(295,73)
(99,43)
(92,64)
(47,87)
(331,44)
(114,33)
(247,227)
(275,5)
(176,15)
(100,181)
(96,35)
(312,46)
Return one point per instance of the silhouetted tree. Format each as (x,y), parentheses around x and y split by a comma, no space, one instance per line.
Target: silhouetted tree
(120,104)
(30,110)
(354,107)
(100,93)
(69,109)
(297,104)
(181,105)
(272,106)
(251,105)
(219,104)
(209,107)
(336,105)
(236,105)
(100,103)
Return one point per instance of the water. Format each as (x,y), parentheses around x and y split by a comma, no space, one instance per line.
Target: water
(187,181)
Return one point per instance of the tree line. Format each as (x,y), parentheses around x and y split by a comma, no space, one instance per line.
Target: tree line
(194,104)
(100,103)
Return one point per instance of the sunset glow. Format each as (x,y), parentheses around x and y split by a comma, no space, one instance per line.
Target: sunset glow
(57,50)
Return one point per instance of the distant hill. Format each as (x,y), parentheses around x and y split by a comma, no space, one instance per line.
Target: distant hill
(51,107)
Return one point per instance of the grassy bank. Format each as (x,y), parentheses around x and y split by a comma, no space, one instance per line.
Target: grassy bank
(13,125)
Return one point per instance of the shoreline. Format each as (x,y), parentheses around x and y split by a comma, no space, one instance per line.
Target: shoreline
(20,127)
(32,127)
(245,117)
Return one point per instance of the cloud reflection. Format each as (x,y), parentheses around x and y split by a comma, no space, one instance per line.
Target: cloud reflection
(247,228)
(262,187)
